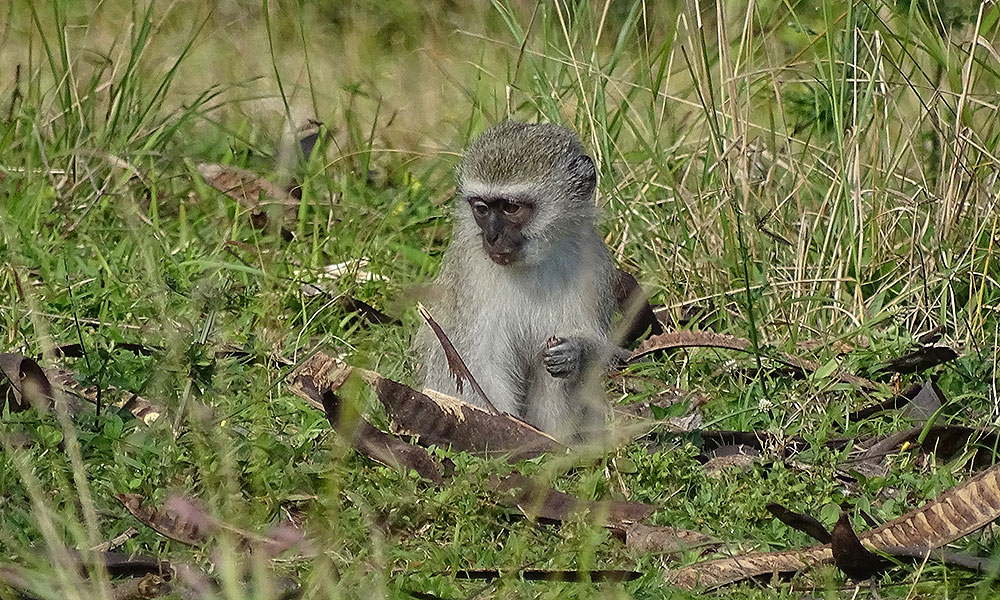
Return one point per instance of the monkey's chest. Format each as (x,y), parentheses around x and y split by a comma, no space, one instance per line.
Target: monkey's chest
(520,324)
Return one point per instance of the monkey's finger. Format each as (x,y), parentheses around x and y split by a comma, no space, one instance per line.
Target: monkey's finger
(559,359)
(561,366)
(560,372)
(560,354)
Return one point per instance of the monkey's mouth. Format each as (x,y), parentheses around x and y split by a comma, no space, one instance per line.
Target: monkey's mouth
(502,254)
(501,258)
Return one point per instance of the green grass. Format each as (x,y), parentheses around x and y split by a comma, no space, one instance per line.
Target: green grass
(826,175)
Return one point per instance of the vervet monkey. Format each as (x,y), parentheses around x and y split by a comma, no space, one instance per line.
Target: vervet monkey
(525,288)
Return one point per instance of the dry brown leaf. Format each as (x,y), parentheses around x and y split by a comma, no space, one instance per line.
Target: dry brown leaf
(850,555)
(316,381)
(23,384)
(643,538)
(142,409)
(593,575)
(440,420)
(944,442)
(637,314)
(952,515)
(180,519)
(918,360)
(541,502)
(253,192)
(324,373)
(456,364)
(382,447)
(807,524)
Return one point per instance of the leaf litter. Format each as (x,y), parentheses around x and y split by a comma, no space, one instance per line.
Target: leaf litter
(430,419)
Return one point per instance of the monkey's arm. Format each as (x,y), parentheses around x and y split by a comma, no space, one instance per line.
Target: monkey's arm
(572,356)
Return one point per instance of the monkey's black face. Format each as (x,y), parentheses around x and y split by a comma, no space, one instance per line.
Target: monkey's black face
(502,220)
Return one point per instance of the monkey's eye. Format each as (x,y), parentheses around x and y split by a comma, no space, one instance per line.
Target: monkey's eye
(511,208)
(479,207)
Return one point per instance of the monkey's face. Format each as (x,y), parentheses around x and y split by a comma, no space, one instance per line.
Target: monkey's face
(501,220)
(529,190)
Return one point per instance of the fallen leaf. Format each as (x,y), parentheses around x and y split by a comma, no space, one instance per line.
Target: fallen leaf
(944,442)
(141,408)
(593,575)
(459,370)
(24,384)
(952,515)
(316,381)
(542,502)
(850,556)
(643,538)
(439,420)
(180,519)
(380,446)
(367,312)
(253,192)
(802,522)
(918,360)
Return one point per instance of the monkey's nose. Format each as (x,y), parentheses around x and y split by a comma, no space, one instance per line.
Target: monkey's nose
(492,231)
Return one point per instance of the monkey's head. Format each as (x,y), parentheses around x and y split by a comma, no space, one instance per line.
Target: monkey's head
(520,187)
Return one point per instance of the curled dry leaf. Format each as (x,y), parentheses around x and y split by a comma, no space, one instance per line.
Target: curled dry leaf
(945,442)
(180,519)
(541,502)
(459,370)
(919,394)
(23,384)
(643,538)
(380,446)
(316,380)
(322,373)
(955,559)
(952,515)
(142,409)
(637,314)
(255,193)
(691,315)
(918,360)
(805,523)
(593,575)
(127,564)
(707,339)
(436,419)
(765,442)
(850,556)
(432,418)
(368,313)
(77,350)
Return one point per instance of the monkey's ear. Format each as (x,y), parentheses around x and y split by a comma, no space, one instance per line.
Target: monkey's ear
(583,170)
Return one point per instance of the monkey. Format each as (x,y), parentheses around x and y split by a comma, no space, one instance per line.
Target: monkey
(525,287)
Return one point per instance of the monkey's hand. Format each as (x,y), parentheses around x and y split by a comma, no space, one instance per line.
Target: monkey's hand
(566,356)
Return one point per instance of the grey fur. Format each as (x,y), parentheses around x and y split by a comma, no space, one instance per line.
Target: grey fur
(500,317)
